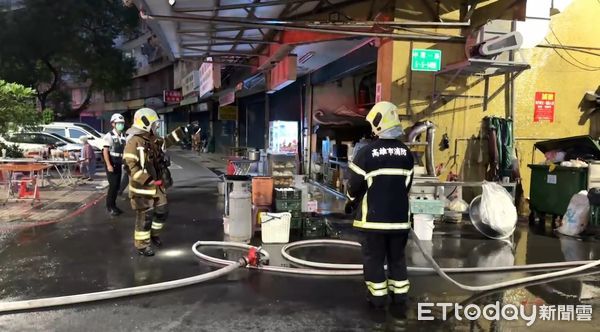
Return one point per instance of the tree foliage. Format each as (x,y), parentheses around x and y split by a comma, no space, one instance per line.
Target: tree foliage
(48,41)
(17,107)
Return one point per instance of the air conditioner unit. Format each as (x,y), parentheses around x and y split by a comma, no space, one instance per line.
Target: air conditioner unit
(488,44)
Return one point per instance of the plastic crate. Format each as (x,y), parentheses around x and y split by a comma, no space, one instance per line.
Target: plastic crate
(275,227)
(426,206)
(295,213)
(314,228)
(296,223)
(287,194)
(288,205)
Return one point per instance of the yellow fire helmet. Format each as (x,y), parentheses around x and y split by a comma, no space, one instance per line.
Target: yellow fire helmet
(144,118)
(383,116)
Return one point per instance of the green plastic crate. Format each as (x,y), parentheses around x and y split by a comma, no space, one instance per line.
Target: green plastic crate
(288,205)
(296,223)
(426,206)
(296,213)
(294,194)
(314,228)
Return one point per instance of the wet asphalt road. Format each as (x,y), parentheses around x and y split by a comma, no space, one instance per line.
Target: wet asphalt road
(93,252)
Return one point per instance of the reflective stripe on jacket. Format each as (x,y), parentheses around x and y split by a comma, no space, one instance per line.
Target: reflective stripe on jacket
(140,167)
(380,180)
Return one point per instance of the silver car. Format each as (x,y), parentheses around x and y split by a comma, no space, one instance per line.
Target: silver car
(35,141)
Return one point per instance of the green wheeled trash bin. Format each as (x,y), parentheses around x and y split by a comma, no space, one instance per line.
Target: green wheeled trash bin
(551,190)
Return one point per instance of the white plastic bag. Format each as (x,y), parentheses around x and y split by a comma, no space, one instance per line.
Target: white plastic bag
(458,205)
(497,208)
(577,217)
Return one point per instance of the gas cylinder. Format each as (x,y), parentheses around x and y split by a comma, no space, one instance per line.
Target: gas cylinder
(240,212)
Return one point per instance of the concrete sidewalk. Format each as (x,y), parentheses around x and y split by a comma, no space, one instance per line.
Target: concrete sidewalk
(54,203)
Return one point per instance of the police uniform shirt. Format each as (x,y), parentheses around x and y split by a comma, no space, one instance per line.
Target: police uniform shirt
(111,139)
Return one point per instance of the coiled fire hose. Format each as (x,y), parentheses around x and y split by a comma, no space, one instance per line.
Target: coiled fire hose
(256,255)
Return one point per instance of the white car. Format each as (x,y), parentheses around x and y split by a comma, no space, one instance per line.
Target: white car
(69,142)
(34,141)
(74,131)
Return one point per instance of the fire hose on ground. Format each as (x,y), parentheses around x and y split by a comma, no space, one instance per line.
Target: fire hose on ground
(256,255)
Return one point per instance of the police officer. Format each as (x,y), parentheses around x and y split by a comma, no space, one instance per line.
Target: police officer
(114,144)
(380,180)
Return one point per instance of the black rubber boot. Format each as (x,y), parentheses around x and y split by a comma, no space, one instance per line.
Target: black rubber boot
(146,252)
(156,241)
(399,299)
(377,302)
(113,212)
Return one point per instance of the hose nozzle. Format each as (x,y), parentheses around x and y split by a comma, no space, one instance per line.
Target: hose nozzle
(254,257)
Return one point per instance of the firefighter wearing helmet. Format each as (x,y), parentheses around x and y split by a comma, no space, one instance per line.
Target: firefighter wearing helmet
(149,178)
(380,180)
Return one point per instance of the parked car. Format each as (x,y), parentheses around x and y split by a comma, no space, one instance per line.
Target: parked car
(68,141)
(35,141)
(74,131)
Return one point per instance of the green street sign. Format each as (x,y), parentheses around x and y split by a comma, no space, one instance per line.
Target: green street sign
(426,60)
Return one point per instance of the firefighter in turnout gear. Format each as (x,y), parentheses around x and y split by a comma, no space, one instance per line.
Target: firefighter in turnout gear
(380,180)
(149,178)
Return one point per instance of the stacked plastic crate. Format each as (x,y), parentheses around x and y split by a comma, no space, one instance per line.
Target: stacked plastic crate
(290,200)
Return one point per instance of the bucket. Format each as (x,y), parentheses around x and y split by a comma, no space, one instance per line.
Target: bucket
(423,224)
(275,227)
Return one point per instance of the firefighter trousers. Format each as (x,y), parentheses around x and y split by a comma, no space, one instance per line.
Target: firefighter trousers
(150,216)
(377,248)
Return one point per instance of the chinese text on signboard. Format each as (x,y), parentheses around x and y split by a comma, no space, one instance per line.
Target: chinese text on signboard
(544,106)
(228,113)
(172,96)
(426,60)
(210,77)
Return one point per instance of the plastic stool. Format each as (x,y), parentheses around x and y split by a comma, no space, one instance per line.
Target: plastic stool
(24,193)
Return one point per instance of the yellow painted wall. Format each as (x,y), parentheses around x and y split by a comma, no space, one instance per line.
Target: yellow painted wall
(461,117)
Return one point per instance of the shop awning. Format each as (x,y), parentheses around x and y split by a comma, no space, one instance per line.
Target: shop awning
(116,106)
(135,104)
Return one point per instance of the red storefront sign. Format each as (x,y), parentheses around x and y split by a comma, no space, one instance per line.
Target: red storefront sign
(378,92)
(544,106)
(172,96)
